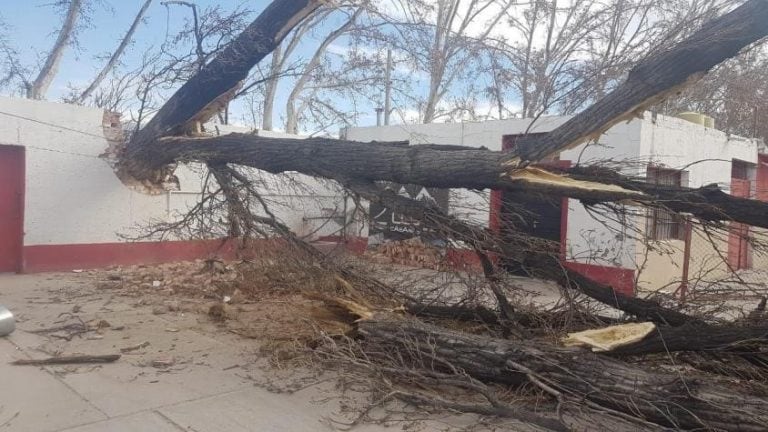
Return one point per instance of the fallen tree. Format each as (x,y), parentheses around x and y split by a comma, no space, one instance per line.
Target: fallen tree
(572,376)
(147,156)
(150,155)
(442,168)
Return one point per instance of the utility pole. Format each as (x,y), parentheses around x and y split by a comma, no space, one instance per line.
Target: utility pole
(388,88)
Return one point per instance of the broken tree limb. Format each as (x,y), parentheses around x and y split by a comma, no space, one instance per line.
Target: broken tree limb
(536,258)
(653,79)
(435,167)
(695,338)
(222,74)
(707,203)
(666,399)
(109,358)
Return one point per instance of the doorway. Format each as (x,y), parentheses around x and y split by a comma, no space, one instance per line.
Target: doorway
(11,207)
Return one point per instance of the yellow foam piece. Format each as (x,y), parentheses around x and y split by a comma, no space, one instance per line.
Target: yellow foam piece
(610,338)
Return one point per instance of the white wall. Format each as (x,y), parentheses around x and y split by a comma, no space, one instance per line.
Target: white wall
(471,205)
(677,143)
(630,146)
(300,201)
(74,197)
(619,143)
(593,238)
(706,155)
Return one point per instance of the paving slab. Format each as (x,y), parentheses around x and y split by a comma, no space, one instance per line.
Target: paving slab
(39,402)
(198,367)
(249,410)
(214,380)
(144,421)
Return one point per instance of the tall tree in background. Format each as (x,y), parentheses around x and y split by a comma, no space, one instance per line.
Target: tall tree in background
(39,86)
(114,59)
(438,40)
(559,56)
(292,111)
(735,94)
(18,76)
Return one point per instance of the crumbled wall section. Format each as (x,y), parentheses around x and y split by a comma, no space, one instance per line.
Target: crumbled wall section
(116,140)
(113,132)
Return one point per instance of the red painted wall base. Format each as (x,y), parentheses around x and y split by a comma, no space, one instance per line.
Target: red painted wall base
(44,258)
(622,280)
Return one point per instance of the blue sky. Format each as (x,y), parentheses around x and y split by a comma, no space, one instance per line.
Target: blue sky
(34,25)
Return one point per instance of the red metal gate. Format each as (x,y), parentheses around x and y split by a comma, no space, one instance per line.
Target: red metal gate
(738,233)
(11,207)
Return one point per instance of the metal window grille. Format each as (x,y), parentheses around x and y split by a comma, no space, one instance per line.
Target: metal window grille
(662,224)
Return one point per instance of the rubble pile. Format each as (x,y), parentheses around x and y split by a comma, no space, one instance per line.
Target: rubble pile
(412,252)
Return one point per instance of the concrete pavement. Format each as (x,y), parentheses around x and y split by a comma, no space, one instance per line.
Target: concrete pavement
(207,380)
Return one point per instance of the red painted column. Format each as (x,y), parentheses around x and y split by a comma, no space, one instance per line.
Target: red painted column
(11,207)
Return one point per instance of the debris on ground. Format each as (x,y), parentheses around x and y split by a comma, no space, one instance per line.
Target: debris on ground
(411,252)
(64,360)
(308,313)
(134,347)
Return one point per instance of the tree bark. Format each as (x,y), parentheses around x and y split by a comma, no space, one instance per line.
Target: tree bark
(653,79)
(224,72)
(39,86)
(112,62)
(439,167)
(696,338)
(271,89)
(662,398)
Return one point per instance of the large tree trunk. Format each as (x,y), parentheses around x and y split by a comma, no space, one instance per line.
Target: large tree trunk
(577,375)
(440,167)
(223,73)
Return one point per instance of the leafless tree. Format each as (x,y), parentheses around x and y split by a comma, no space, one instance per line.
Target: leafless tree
(39,86)
(441,40)
(115,57)
(292,111)
(734,94)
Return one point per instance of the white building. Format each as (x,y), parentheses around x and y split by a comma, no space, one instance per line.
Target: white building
(62,207)
(658,147)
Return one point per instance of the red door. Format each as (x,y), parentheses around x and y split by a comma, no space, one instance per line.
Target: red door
(11,207)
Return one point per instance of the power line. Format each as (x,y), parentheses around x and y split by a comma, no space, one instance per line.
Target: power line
(52,125)
(33,120)
(62,151)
